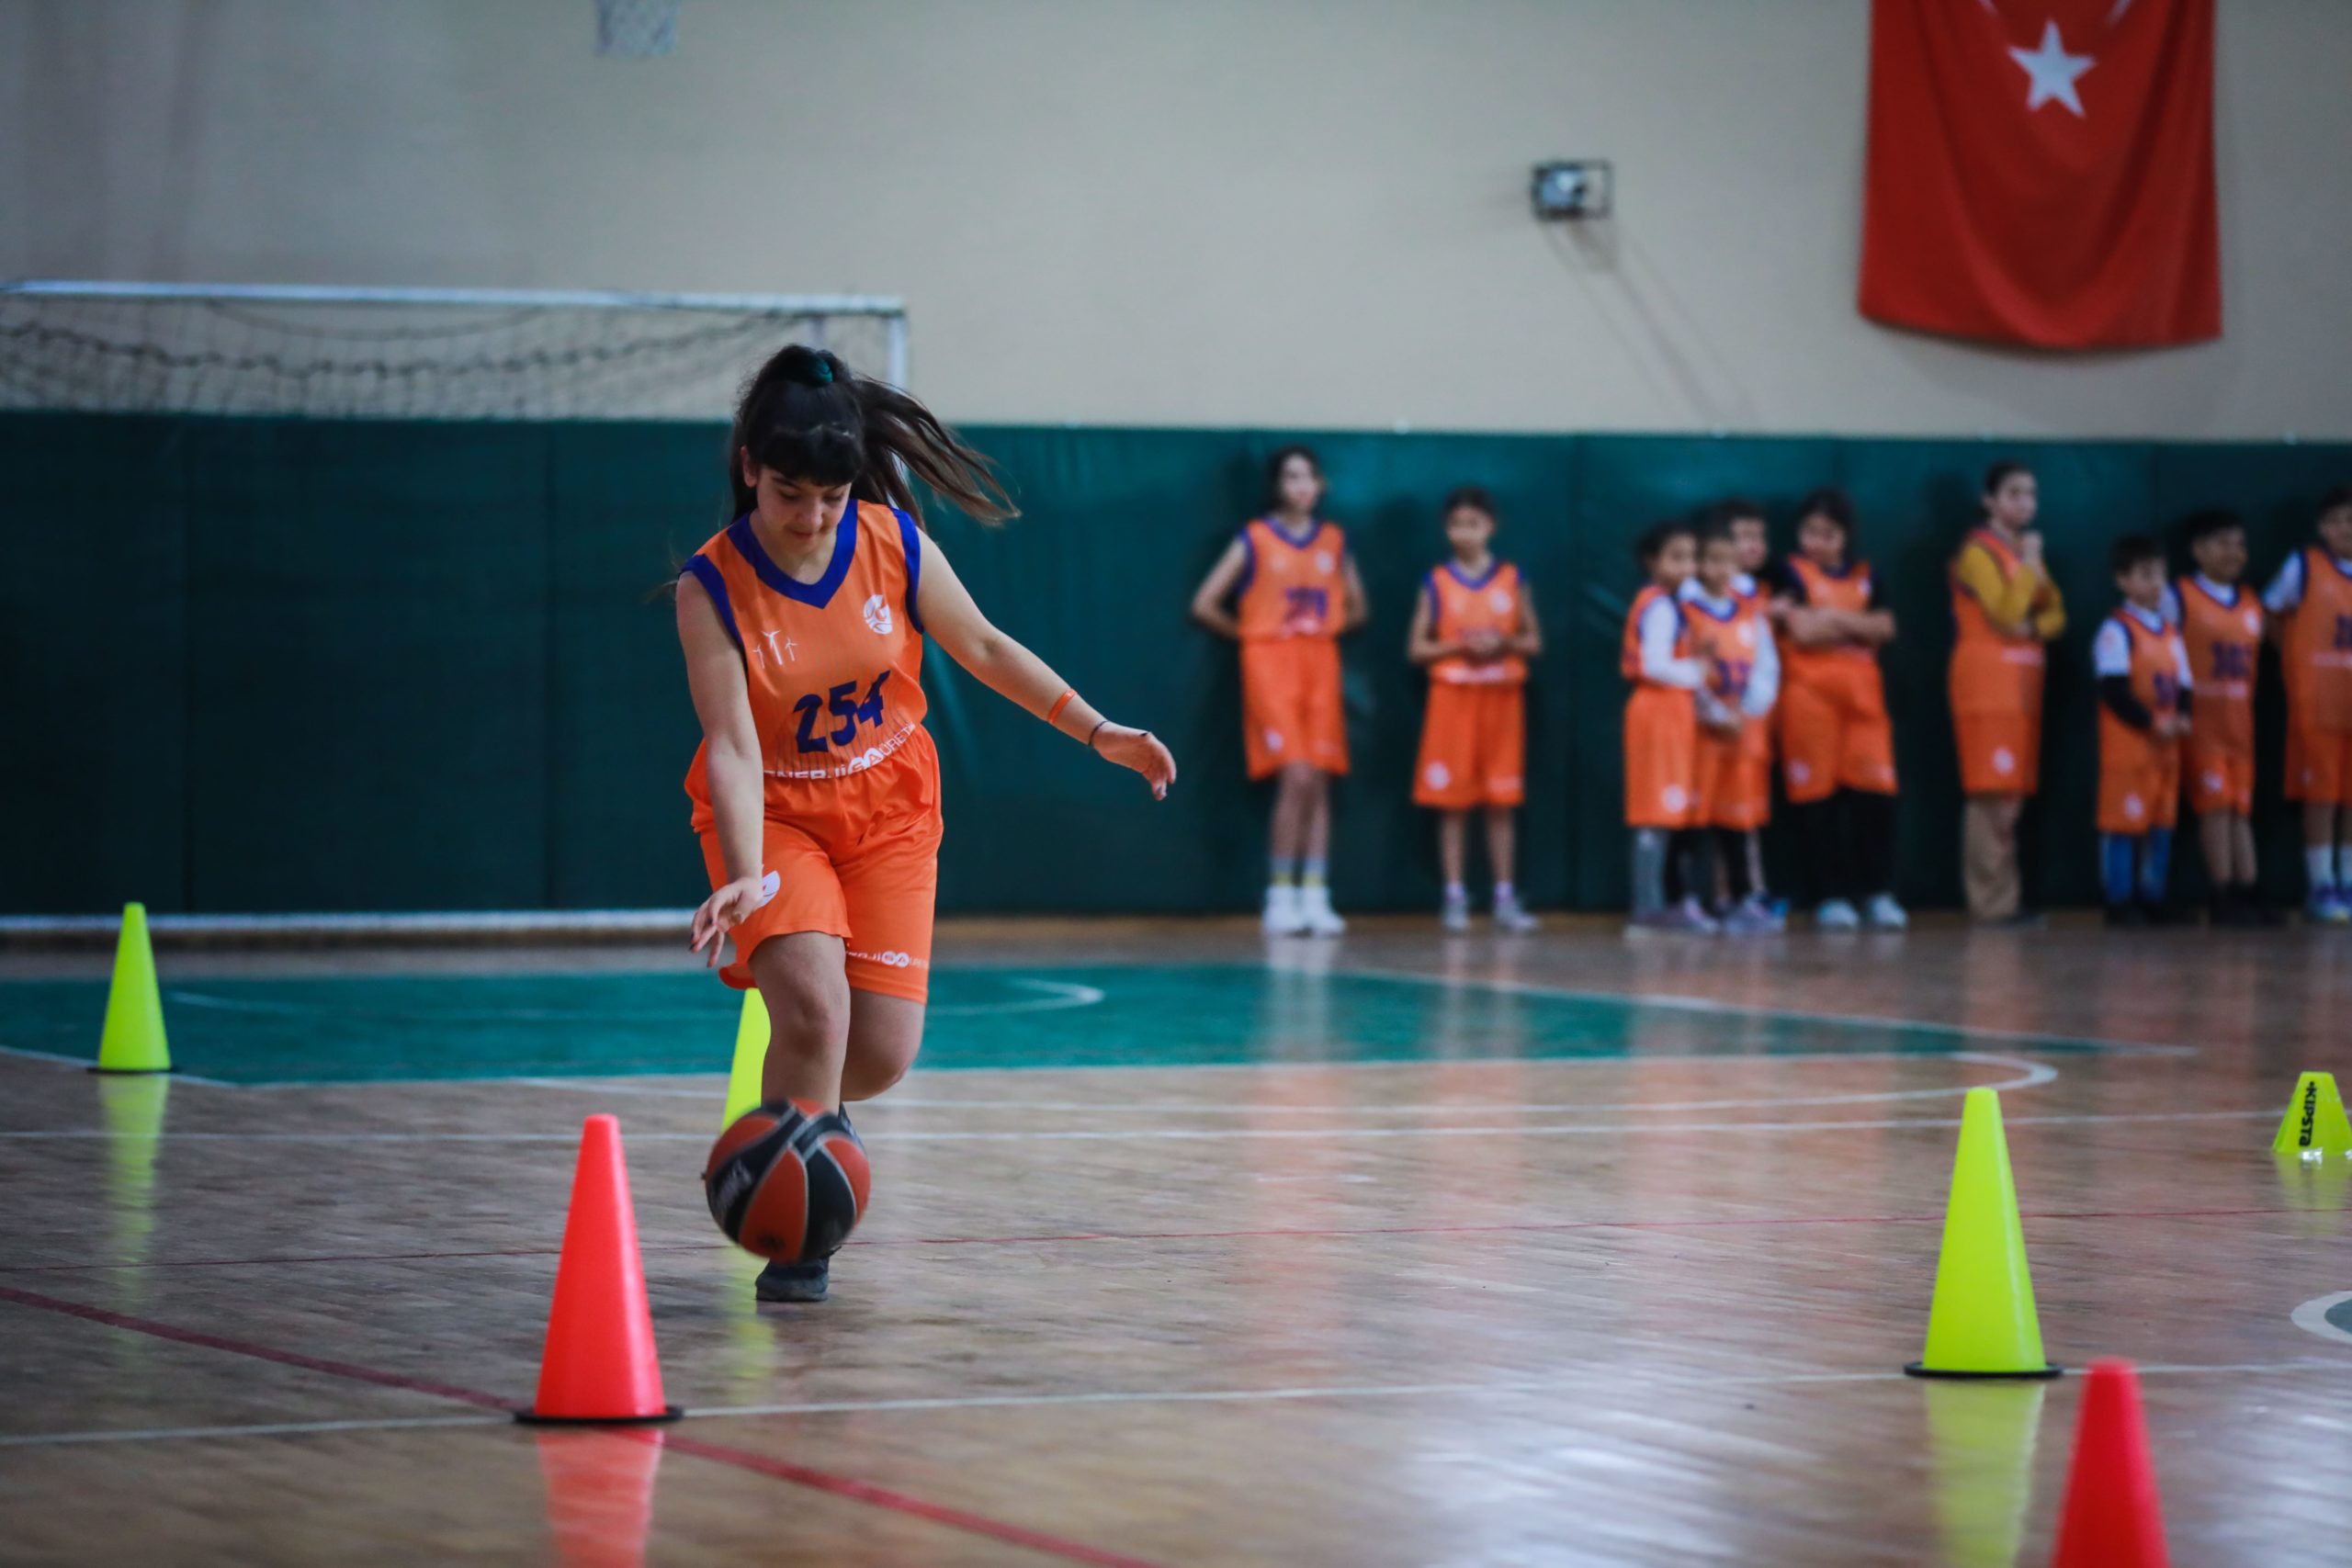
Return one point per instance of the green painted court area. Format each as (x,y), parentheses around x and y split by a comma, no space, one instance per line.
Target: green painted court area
(378,1028)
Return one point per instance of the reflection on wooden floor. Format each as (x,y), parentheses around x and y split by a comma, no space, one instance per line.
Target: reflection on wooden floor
(1187,1249)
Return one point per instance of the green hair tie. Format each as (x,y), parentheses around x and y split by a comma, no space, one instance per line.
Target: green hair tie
(823,372)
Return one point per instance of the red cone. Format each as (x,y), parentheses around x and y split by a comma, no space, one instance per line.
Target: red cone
(2113,1518)
(600,1364)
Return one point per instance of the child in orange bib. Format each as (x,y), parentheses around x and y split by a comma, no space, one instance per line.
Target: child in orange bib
(1731,637)
(816,788)
(1836,743)
(2144,693)
(1474,628)
(2311,599)
(1295,591)
(1661,740)
(2220,622)
(2005,608)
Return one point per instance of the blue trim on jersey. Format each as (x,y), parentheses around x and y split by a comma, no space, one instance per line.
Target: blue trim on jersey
(714,583)
(1249,561)
(911,541)
(2197,579)
(819,593)
(2130,611)
(1314,532)
(1721,617)
(2343,566)
(1494,565)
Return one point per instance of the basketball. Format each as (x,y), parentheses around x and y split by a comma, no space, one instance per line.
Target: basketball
(787,1183)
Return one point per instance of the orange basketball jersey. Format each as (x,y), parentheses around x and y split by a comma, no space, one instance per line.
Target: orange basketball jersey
(2318,646)
(834,666)
(1460,604)
(1993,673)
(1848,590)
(2224,639)
(2155,681)
(1629,657)
(1727,642)
(1291,587)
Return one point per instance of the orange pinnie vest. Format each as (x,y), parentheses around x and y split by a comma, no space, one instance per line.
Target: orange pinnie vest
(834,667)
(1992,672)
(1629,656)
(2155,681)
(2224,640)
(1727,643)
(1291,587)
(2319,644)
(1460,604)
(1848,590)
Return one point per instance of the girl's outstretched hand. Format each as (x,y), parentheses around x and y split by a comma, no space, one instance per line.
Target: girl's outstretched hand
(1141,750)
(721,913)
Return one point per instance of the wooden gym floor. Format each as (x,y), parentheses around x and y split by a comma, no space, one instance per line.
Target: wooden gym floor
(1185,1250)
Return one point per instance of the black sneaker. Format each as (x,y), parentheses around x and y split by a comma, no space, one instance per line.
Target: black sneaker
(793,1281)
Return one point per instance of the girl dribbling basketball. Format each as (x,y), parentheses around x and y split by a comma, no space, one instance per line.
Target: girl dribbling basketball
(816,788)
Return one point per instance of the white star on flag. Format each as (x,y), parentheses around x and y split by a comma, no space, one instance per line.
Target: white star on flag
(2052,70)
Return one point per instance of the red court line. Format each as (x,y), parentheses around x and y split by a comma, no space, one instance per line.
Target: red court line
(1529,1226)
(781,1470)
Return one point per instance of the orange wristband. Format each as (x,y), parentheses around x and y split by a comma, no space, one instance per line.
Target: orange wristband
(1054,714)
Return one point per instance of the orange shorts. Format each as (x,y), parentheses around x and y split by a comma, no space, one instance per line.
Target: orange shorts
(2000,753)
(1290,705)
(1835,735)
(2146,795)
(1473,745)
(1661,743)
(1731,786)
(2326,772)
(856,858)
(2218,780)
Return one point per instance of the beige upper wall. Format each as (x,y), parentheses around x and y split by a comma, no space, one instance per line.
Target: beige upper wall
(1254,212)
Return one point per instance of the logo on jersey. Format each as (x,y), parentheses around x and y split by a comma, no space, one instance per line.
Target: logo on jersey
(2134,808)
(2253,619)
(1674,797)
(1498,602)
(1273,741)
(878,616)
(768,885)
(1799,773)
(2004,759)
(890,959)
(1747,635)
(1436,775)
(2214,782)
(1323,562)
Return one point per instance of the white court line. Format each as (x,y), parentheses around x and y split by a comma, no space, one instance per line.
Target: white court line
(1187,1133)
(1737,1010)
(1493,1389)
(2312,1317)
(269,1429)
(1061,994)
(86,1064)
(2030,1075)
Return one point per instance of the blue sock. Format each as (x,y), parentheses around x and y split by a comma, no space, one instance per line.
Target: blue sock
(2155,864)
(2115,866)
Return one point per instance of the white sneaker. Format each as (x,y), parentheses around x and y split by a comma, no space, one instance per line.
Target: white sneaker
(1695,918)
(1886,914)
(1316,916)
(1835,915)
(1509,915)
(1453,914)
(1284,916)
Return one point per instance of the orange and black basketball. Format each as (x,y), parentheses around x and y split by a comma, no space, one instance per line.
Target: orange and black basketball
(787,1183)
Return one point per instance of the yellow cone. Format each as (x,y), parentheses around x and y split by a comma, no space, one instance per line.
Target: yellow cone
(133,1038)
(751,1056)
(1983,1323)
(2314,1127)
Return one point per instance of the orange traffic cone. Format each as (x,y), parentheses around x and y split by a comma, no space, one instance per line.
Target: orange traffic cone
(600,1364)
(2113,1518)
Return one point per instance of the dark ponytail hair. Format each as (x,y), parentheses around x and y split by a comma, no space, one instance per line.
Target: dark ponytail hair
(811,418)
(1836,505)
(1281,460)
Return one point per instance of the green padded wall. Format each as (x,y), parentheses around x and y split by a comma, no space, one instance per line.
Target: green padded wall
(263,665)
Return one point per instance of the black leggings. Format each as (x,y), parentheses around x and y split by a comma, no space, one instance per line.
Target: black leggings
(1849,841)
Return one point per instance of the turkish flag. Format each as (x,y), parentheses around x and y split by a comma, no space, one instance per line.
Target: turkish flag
(2041,171)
